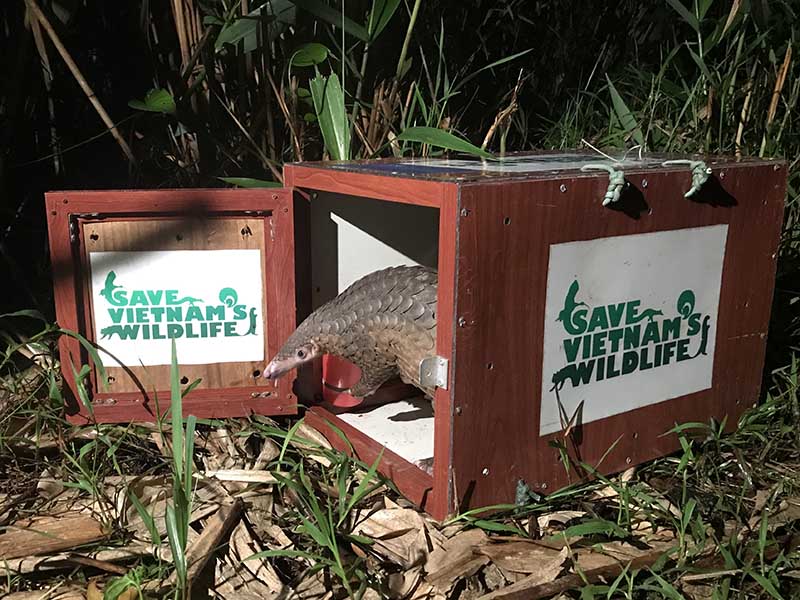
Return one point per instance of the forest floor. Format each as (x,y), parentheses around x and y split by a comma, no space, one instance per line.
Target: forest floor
(272,511)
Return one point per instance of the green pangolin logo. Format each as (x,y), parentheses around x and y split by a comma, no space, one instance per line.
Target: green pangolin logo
(169,314)
(604,342)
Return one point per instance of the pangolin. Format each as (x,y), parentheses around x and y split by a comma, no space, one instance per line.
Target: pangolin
(384,323)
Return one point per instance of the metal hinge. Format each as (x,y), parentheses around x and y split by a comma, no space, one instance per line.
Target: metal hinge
(73,230)
(433,372)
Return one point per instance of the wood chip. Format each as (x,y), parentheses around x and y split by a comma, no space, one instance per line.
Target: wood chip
(44,535)
(546,572)
(63,561)
(241,476)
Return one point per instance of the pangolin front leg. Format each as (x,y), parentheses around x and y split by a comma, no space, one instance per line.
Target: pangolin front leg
(368,384)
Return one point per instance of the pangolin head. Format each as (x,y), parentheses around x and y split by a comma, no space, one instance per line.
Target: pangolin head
(302,346)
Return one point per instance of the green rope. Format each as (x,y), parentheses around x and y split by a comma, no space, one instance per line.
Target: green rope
(616,181)
(700,173)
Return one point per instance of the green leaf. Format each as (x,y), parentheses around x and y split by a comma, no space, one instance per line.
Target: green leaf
(624,114)
(327,13)
(362,489)
(33,314)
(309,55)
(687,16)
(765,583)
(176,404)
(491,65)
(156,100)
(249,182)
(173,536)
(189,455)
(280,13)
(380,15)
(496,526)
(329,106)
(594,527)
(667,590)
(441,139)
(146,517)
(703,67)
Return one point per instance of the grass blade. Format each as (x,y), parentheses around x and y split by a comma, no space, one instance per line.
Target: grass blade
(687,16)
(249,182)
(624,114)
(177,415)
(441,139)
(334,17)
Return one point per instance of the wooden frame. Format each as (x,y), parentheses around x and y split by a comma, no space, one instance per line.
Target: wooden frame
(68,210)
(486,421)
(430,492)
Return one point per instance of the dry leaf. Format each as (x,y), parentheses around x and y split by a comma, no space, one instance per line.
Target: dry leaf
(456,559)
(519,557)
(399,535)
(240,475)
(562,517)
(92,591)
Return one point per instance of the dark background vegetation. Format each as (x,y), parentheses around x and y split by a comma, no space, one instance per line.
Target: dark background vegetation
(697,77)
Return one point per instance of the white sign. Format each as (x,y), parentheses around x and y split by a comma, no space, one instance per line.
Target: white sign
(209,301)
(630,321)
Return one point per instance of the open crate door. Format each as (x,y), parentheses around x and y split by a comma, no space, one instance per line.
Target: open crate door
(212,269)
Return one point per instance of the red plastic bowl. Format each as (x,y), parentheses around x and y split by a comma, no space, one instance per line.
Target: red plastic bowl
(337,375)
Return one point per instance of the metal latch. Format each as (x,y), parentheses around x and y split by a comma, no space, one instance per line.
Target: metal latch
(433,372)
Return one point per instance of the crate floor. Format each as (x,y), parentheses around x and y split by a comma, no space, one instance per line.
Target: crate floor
(405,427)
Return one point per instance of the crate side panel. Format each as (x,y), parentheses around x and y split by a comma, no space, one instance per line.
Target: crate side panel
(505,237)
(270,211)
(140,235)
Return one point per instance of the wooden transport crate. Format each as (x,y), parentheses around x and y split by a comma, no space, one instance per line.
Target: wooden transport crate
(620,320)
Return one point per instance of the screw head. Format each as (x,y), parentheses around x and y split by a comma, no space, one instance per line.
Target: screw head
(628,460)
(459,410)
(485,471)
(461,321)
(644,183)
(464,212)
(563,188)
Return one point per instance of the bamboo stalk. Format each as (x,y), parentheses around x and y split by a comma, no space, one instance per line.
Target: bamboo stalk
(33,7)
(745,111)
(407,40)
(779,83)
(47,75)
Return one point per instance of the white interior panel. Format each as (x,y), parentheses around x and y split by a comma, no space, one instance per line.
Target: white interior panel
(353,236)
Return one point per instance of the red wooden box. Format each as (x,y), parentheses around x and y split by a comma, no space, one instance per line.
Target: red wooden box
(621,319)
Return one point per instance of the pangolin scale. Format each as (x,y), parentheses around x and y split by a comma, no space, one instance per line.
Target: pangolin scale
(384,323)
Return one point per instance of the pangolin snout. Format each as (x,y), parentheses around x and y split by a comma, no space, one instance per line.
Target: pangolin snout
(273,370)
